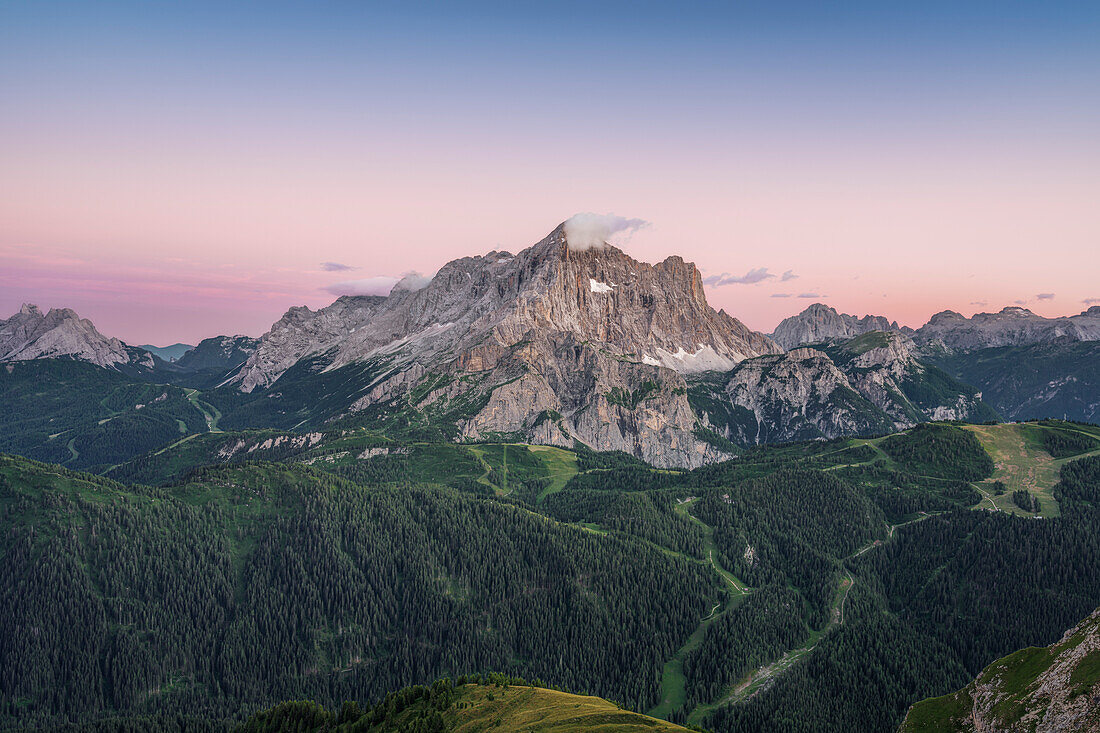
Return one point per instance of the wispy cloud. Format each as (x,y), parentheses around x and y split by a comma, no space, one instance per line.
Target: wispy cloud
(812,295)
(1020,302)
(979,303)
(1091,301)
(380,285)
(781,295)
(751,277)
(1045,296)
(336,267)
(788,275)
(592,231)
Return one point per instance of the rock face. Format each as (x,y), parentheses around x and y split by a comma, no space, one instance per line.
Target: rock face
(551,344)
(870,384)
(820,323)
(1047,689)
(62,334)
(1012,326)
(218,353)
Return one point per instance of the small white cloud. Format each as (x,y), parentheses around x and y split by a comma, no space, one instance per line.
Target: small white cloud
(979,303)
(336,267)
(751,277)
(788,275)
(592,231)
(812,295)
(1045,296)
(781,295)
(1020,302)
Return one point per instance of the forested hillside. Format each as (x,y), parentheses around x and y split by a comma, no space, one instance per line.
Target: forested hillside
(81,415)
(818,585)
(243,587)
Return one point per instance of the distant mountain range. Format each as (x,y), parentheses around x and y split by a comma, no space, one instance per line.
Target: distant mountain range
(948,330)
(563,345)
(168,353)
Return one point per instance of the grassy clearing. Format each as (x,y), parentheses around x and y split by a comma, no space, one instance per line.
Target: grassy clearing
(536,710)
(1022,463)
(561,465)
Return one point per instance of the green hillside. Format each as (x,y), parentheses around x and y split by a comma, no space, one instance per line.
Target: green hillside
(81,415)
(463,708)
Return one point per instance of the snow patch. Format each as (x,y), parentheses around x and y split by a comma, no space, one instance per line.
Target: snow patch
(705,359)
(647,359)
(599,287)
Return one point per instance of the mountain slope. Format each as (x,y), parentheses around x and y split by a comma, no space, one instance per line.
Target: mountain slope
(820,323)
(218,353)
(81,415)
(1057,379)
(244,586)
(553,344)
(1039,689)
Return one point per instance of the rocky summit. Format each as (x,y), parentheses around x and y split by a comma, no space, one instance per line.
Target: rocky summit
(61,333)
(554,344)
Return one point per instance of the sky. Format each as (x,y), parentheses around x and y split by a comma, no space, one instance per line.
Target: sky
(179,170)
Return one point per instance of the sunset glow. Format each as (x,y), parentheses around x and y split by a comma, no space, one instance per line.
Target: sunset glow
(172,180)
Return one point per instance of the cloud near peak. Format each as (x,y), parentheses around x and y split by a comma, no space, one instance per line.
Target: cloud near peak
(336,267)
(380,285)
(592,231)
(1045,296)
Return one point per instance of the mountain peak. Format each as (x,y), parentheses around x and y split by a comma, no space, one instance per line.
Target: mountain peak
(557,328)
(61,333)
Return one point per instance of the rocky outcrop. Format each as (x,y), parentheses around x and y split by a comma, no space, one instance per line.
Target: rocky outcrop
(553,344)
(62,334)
(870,384)
(1013,326)
(883,367)
(1040,690)
(799,395)
(820,323)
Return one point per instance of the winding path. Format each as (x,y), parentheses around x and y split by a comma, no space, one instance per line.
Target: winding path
(673,683)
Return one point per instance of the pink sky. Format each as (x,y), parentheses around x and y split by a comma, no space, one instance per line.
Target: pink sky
(173,178)
(165,248)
